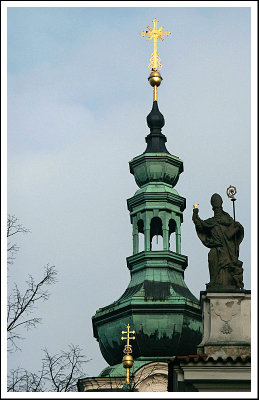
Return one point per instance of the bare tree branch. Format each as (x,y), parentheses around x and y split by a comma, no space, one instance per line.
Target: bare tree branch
(59,373)
(64,369)
(20,306)
(21,380)
(13,228)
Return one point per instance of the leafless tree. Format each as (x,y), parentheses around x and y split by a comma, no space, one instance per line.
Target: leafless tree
(21,380)
(13,228)
(21,305)
(64,369)
(59,373)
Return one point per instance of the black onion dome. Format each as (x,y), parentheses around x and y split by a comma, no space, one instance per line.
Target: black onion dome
(156,140)
(155,118)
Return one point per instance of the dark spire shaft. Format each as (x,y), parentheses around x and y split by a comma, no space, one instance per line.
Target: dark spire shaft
(156,140)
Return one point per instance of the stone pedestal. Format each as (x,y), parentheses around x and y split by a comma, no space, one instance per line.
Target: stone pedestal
(226,324)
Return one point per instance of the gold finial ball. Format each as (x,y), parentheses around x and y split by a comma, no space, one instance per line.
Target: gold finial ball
(127,361)
(155,78)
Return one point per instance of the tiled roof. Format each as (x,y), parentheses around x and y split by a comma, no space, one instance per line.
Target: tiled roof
(204,358)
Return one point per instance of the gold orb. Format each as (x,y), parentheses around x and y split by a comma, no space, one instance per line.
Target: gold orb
(155,78)
(127,361)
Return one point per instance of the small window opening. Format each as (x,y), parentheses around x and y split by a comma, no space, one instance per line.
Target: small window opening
(156,234)
(172,235)
(141,237)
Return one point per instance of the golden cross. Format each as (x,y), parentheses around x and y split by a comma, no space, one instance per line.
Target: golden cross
(155,33)
(128,347)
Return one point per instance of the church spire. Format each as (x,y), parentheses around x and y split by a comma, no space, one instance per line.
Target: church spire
(157,302)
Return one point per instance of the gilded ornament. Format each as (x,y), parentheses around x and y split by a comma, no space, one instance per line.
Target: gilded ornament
(155,33)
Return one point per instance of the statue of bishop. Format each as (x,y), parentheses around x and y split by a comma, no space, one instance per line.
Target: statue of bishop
(222,235)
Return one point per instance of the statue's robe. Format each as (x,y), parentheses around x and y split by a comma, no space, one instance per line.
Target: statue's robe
(223,236)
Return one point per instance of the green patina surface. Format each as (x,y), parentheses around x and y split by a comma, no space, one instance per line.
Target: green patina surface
(152,167)
(165,316)
(157,303)
(119,371)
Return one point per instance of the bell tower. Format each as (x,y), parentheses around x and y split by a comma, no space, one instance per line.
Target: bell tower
(156,208)
(157,303)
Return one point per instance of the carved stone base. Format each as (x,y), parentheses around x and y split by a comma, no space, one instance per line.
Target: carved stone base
(150,377)
(226,324)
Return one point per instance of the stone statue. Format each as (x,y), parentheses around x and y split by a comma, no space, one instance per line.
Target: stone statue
(222,235)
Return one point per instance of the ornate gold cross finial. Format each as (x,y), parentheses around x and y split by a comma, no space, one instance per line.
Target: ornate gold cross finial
(128,347)
(127,360)
(196,205)
(155,33)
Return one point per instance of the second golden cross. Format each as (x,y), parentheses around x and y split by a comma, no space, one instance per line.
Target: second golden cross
(128,347)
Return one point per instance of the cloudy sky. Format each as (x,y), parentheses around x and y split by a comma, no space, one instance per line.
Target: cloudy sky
(78,98)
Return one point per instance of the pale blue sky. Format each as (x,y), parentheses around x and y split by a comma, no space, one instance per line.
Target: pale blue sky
(78,98)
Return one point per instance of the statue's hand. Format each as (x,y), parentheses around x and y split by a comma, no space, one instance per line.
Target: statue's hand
(195,212)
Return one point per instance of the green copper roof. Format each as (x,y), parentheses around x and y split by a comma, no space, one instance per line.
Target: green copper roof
(159,307)
(119,371)
(157,303)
